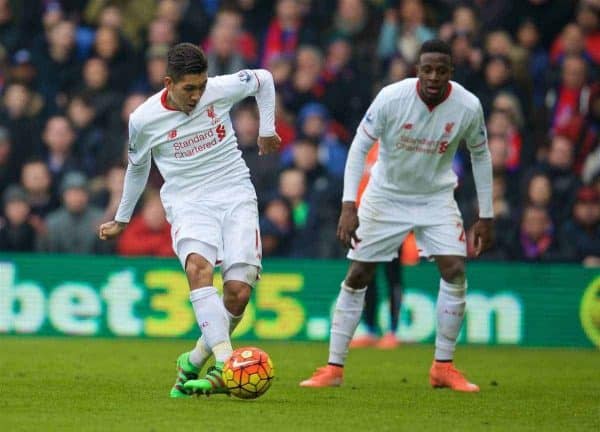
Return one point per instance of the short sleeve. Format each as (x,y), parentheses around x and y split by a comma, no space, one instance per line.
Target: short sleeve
(238,86)
(138,148)
(373,123)
(476,135)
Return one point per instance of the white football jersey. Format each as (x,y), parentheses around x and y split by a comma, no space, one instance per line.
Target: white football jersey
(195,152)
(418,142)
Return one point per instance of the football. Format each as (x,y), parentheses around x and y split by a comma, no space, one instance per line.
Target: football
(248,373)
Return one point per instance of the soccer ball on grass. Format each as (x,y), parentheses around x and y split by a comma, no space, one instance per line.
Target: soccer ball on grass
(248,373)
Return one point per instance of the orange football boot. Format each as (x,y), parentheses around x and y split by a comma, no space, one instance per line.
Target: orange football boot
(443,374)
(364,341)
(388,341)
(326,376)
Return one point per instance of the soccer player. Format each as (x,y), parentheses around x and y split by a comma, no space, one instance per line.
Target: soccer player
(207,195)
(420,123)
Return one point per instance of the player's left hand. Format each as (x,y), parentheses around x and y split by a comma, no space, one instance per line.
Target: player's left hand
(268,145)
(483,231)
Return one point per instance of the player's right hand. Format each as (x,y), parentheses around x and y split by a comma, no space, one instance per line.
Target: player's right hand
(348,224)
(109,230)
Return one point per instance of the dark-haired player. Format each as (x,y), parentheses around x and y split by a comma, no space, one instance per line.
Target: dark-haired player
(419,123)
(207,195)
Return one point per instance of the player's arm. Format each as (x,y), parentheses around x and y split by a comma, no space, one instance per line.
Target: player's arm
(136,177)
(258,83)
(268,140)
(481,162)
(368,131)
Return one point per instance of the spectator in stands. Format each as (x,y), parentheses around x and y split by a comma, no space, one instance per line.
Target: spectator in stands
(286,32)
(314,123)
(535,239)
(148,233)
(10,34)
(16,233)
(155,71)
(59,137)
(108,191)
(20,113)
(263,168)
(567,100)
(276,228)
(111,47)
(538,61)
(60,68)
(404,31)
(582,231)
(306,84)
(558,167)
(90,139)
(588,19)
(72,228)
(223,56)
(95,82)
(8,167)
(36,180)
(116,143)
(467,59)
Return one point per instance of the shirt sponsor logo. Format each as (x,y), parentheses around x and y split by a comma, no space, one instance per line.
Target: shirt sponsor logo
(198,143)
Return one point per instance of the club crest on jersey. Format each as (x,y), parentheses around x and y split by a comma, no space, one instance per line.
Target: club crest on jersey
(448,128)
(172,134)
(244,76)
(210,112)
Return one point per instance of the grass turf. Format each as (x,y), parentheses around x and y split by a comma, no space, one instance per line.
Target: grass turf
(81,384)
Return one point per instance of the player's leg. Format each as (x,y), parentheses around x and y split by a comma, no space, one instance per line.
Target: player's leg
(237,288)
(393,276)
(450,313)
(443,238)
(370,317)
(210,315)
(348,309)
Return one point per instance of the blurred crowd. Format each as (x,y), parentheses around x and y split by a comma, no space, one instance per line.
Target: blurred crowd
(72,71)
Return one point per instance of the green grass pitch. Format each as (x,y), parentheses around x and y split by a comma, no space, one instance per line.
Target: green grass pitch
(77,384)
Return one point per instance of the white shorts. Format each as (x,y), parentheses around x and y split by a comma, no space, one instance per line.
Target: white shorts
(384,223)
(224,230)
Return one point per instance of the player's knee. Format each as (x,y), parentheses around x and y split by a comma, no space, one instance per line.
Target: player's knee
(236,296)
(198,270)
(454,272)
(359,275)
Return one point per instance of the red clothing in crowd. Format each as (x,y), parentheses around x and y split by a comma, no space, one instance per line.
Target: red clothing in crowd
(139,239)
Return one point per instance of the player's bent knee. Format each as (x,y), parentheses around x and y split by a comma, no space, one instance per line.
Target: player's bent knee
(245,273)
(198,270)
(454,272)
(360,274)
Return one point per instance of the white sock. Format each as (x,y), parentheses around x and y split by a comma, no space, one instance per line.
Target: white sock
(450,313)
(202,351)
(213,321)
(348,309)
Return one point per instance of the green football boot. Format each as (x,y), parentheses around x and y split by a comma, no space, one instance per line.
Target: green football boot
(212,383)
(185,372)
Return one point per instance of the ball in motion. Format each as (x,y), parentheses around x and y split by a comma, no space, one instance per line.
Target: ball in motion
(248,373)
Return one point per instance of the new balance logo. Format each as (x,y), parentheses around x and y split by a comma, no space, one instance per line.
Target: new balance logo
(172,134)
(407,126)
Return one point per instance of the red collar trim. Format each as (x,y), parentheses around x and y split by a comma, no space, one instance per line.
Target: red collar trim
(432,106)
(164,102)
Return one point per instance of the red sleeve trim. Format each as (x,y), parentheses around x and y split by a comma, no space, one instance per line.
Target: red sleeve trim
(257,80)
(368,134)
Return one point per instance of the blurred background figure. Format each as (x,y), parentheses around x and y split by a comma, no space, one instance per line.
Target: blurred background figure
(148,233)
(16,233)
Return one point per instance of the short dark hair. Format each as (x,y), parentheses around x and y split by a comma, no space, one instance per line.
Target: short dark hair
(435,46)
(185,58)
